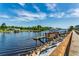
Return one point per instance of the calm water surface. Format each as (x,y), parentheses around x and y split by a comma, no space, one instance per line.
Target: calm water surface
(12,42)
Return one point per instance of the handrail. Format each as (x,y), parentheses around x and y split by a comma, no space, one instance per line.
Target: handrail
(61,49)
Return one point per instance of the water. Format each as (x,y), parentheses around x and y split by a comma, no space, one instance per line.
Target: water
(17,42)
(14,43)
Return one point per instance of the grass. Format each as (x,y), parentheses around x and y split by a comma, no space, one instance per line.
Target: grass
(5,31)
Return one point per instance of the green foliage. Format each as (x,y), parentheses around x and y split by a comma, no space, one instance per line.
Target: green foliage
(3,26)
(70,28)
(39,28)
(33,28)
(77,27)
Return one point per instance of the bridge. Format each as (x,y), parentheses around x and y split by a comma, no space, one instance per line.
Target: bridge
(69,46)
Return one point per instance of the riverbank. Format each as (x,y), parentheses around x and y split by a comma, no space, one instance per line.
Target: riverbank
(5,31)
(10,41)
(21,31)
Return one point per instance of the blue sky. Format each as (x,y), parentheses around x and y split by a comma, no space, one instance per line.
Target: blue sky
(46,14)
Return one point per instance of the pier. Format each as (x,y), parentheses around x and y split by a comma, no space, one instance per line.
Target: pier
(68,47)
(53,44)
(53,39)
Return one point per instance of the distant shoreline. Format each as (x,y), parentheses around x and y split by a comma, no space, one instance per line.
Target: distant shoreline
(20,31)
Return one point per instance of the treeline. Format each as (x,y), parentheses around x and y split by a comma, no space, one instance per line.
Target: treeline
(38,27)
(76,27)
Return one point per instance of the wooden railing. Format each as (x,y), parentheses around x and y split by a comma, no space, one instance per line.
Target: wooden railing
(63,48)
(77,31)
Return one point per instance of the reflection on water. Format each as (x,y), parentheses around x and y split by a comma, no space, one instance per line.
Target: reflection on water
(3,38)
(9,42)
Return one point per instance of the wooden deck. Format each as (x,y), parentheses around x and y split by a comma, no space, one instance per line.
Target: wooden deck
(62,48)
(74,48)
(39,37)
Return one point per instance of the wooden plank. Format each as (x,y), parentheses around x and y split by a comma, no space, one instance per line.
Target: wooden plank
(39,37)
(61,49)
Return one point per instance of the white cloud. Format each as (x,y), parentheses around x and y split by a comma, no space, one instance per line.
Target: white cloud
(30,16)
(22,4)
(51,6)
(4,16)
(73,12)
(37,9)
(66,14)
(60,15)
(57,15)
(21,19)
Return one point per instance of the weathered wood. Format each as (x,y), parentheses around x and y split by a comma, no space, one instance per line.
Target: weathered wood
(63,47)
(38,38)
(74,48)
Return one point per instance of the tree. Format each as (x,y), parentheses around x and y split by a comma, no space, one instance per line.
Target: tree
(77,27)
(39,27)
(3,26)
(70,28)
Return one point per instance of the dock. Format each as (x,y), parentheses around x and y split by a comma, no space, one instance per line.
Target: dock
(39,37)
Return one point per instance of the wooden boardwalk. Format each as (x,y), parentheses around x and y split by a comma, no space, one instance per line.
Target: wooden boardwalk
(63,48)
(69,46)
(74,48)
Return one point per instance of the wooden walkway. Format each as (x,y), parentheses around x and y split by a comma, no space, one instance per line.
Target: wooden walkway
(63,48)
(74,48)
(69,46)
